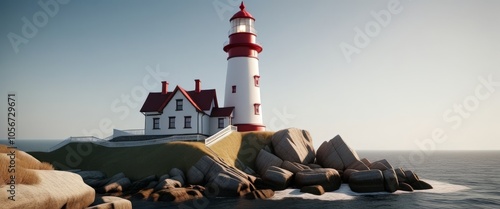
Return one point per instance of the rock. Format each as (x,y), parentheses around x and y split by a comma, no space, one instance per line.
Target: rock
(336,154)
(390,180)
(347,173)
(358,165)
(167,184)
(194,176)
(177,172)
(115,186)
(91,174)
(110,202)
(179,179)
(366,162)
(378,166)
(314,166)
(410,177)
(314,189)
(328,157)
(278,177)
(260,194)
(293,145)
(228,180)
(384,162)
(265,160)
(420,185)
(405,187)
(367,181)
(143,194)
(41,189)
(347,154)
(328,178)
(176,195)
(401,175)
(294,167)
(141,184)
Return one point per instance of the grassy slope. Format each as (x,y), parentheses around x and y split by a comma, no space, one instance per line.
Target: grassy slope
(139,162)
(242,146)
(134,162)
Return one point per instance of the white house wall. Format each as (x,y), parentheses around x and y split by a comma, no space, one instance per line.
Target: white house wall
(169,111)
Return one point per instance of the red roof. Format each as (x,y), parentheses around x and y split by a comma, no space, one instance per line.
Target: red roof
(242,13)
(202,101)
(222,112)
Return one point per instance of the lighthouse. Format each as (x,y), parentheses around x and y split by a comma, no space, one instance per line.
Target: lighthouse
(242,78)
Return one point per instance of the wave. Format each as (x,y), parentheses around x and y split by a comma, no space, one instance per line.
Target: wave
(345,193)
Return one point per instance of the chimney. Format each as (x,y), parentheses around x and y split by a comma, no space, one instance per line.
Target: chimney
(164,87)
(197,88)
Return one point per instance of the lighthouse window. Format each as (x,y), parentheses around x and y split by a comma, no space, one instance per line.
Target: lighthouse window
(178,104)
(156,123)
(256,79)
(256,108)
(234,89)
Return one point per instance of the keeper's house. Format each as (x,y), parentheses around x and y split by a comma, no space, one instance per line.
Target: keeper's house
(181,112)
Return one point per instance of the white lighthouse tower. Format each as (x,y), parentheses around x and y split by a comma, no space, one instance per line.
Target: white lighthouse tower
(242,79)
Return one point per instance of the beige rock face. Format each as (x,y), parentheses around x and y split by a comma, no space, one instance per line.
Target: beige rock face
(56,189)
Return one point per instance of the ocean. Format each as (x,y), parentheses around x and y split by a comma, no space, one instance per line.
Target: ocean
(461,179)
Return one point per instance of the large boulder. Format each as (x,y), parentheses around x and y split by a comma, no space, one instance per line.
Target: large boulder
(294,167)
(391,183)
(279,178)
(367,181)
(265,160)
(328,157)
(260,194)
(176,195)
(38,186)
(106,202)
(219,176)
(314,189)
(328,178)
(194,176)
(294,145)
(336,154)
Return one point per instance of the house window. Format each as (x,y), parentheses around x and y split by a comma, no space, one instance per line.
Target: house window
(171,122)
(156,123)
(221,123)
(256,79)
(187,121)
(234,89)
(178,104)
(256,108)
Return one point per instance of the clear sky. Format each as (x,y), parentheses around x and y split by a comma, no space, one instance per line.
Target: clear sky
(429,72)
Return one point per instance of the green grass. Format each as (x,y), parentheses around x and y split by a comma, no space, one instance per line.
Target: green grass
(142,161)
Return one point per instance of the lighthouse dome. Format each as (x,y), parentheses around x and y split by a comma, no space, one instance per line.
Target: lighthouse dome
(242,13)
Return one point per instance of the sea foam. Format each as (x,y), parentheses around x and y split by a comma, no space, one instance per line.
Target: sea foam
(345,193)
